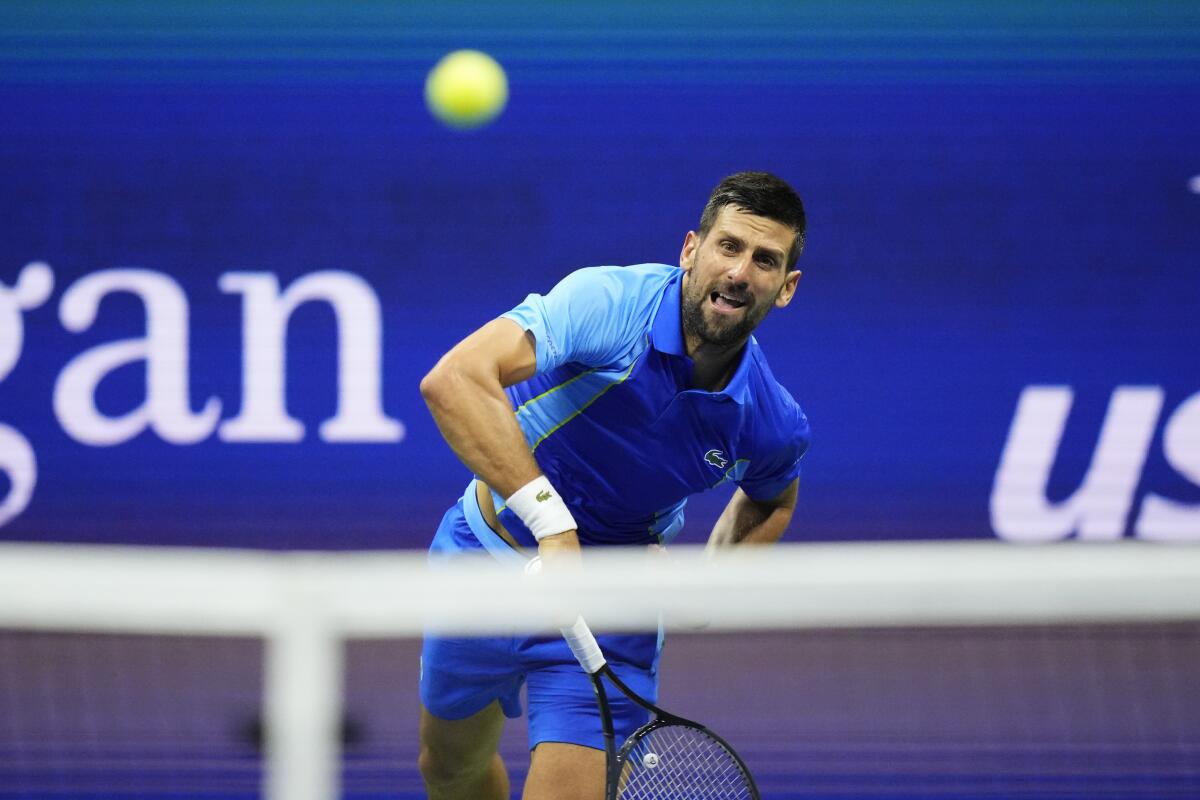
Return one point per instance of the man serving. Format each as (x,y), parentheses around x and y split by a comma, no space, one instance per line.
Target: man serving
(589,415)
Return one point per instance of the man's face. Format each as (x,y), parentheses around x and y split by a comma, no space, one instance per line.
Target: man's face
(735,274)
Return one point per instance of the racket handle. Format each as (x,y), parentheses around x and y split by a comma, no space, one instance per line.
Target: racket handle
(583,644)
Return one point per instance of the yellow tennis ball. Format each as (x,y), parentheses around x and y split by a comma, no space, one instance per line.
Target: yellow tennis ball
(466,89)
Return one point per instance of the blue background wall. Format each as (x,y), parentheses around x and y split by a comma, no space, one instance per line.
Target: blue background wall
(998,196)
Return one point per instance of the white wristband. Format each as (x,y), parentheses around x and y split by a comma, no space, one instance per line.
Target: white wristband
(541,509)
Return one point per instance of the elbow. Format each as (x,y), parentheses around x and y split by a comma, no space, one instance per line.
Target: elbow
(429,384)
(438,384)
(451,381)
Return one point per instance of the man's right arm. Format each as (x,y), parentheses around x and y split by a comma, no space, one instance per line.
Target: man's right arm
(465,395)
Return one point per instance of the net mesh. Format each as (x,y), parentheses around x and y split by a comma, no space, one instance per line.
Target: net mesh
(1069,711)
(1070,703)
(1046,710)
(681,762)
(90,716)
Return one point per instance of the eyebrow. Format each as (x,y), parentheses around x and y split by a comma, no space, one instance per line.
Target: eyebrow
(775,254)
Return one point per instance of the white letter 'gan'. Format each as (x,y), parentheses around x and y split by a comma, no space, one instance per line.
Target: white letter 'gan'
(265,313)
(167,407)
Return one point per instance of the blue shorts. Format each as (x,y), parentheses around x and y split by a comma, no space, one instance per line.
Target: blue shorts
(462,676)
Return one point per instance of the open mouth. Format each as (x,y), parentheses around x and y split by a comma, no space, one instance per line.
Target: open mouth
(726,302)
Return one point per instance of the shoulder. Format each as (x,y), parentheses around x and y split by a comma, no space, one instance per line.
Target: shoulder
(618,297)
(595,315)
(622,284)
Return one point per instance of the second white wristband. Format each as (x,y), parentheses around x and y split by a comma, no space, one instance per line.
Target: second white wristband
(539,506)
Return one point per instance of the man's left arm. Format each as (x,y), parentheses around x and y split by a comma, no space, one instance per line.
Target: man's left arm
(749,521)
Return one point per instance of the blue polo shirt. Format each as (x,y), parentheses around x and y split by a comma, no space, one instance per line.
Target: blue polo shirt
(612,419)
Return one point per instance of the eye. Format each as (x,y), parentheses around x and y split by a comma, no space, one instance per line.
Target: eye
(728,246)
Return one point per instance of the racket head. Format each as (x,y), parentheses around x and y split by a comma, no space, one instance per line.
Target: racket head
(669,758)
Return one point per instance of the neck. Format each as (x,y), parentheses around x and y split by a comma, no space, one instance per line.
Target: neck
(712,364)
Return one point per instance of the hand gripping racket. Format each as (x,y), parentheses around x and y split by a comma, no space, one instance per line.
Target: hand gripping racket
(667,758)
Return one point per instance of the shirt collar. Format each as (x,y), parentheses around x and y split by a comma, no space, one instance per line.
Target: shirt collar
(666,332)
(666,336)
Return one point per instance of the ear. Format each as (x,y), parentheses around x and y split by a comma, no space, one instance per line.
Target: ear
(788,290)
(687,256)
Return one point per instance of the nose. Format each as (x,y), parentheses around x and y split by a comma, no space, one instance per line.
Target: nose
(739,270)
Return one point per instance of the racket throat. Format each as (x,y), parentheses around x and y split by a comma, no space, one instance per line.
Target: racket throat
(606,727)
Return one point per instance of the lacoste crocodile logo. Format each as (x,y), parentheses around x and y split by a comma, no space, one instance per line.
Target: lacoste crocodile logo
(543,496)
(716,458)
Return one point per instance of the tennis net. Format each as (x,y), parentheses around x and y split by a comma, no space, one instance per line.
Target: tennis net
(887,671)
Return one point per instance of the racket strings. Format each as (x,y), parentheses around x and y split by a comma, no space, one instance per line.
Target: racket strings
(680,762)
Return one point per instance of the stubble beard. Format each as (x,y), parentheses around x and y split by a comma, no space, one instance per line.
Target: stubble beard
(722,333)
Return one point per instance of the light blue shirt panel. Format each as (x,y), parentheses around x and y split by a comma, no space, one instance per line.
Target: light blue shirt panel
(597,316)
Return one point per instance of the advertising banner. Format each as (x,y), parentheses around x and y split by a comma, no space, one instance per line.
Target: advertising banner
(233,247)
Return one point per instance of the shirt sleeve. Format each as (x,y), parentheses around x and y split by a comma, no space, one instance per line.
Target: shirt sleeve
(588,318)
(766,477)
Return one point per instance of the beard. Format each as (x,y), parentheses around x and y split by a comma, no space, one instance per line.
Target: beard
(715,329)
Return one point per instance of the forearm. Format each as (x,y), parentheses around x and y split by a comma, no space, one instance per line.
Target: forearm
(747,521)
(749,525)
(465,396)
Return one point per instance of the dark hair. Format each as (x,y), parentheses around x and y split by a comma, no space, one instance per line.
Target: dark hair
(764,195)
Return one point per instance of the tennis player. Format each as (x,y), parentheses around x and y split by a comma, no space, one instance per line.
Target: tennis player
(588,415)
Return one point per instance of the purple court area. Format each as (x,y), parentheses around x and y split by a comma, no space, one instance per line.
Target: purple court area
(1031,712)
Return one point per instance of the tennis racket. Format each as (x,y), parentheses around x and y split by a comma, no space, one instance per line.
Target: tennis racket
(668,758)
